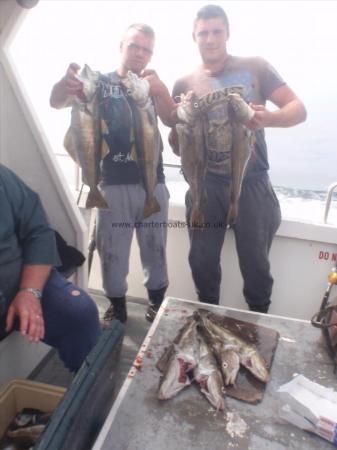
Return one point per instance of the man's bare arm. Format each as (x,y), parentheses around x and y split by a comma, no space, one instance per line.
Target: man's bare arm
(173,141)
(165,106)
(291,111)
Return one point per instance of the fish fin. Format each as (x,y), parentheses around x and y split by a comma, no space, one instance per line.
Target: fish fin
(260,372)
(104,127)
(69,145)
(104,146)
(232,214)
(151,206)
(95,199)
(134,153)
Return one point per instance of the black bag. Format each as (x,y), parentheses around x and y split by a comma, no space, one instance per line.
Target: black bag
(71,258)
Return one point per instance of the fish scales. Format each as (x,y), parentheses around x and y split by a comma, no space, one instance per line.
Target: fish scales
(193,154)
(147,137)
(192,112)
(193,160)
(225,354)
(208,375)
(240,155)
(242,147)
(84,141)
(248,354)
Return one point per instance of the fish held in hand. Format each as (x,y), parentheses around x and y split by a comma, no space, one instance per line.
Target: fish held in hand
(242,146)
(147,137)
(84,139)
(193,154)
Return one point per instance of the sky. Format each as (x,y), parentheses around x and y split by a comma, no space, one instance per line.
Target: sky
(297,37)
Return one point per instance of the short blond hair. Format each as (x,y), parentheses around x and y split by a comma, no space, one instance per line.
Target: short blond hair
(146,29)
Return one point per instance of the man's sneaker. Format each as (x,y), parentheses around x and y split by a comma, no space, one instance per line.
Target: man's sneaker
(259,308)
(108,317)
(151,313)
(117,310)
(156,298)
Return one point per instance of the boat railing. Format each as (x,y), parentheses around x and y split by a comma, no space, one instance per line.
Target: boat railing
(331,189)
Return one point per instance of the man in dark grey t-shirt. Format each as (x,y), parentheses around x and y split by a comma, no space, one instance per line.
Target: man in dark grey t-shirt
(259,213)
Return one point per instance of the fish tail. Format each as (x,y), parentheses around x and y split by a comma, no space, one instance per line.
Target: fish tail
(151,206)
(95,199)
(197,218)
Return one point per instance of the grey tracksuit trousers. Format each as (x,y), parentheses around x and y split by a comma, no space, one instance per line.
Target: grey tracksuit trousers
(115,227)
(258,220)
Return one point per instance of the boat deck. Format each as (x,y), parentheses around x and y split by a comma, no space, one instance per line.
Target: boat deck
(138,420)
(51,369)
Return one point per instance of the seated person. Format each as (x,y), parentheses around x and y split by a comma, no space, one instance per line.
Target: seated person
(36,299)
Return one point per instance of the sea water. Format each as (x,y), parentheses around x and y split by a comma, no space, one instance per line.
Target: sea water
(296,204)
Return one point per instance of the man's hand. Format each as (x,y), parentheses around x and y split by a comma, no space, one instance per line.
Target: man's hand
(165,106)
(69,85)
(290,112)
(72,85)
(261,119)
(157,87)
(28,308)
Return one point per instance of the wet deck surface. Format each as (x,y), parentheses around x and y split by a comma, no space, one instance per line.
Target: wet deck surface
(138,420)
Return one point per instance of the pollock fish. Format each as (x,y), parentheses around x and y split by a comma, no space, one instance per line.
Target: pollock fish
(242,140)
(242,146)
(208,376)
(191,136)
(147,137)
(230,364)
(193,154)
(84,141)
(226,355)
(182,360)
(248,354)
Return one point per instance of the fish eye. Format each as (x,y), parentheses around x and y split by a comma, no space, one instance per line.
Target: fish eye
(225,365)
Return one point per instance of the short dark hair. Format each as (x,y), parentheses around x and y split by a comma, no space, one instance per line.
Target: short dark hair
(211,12)
(146,29)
